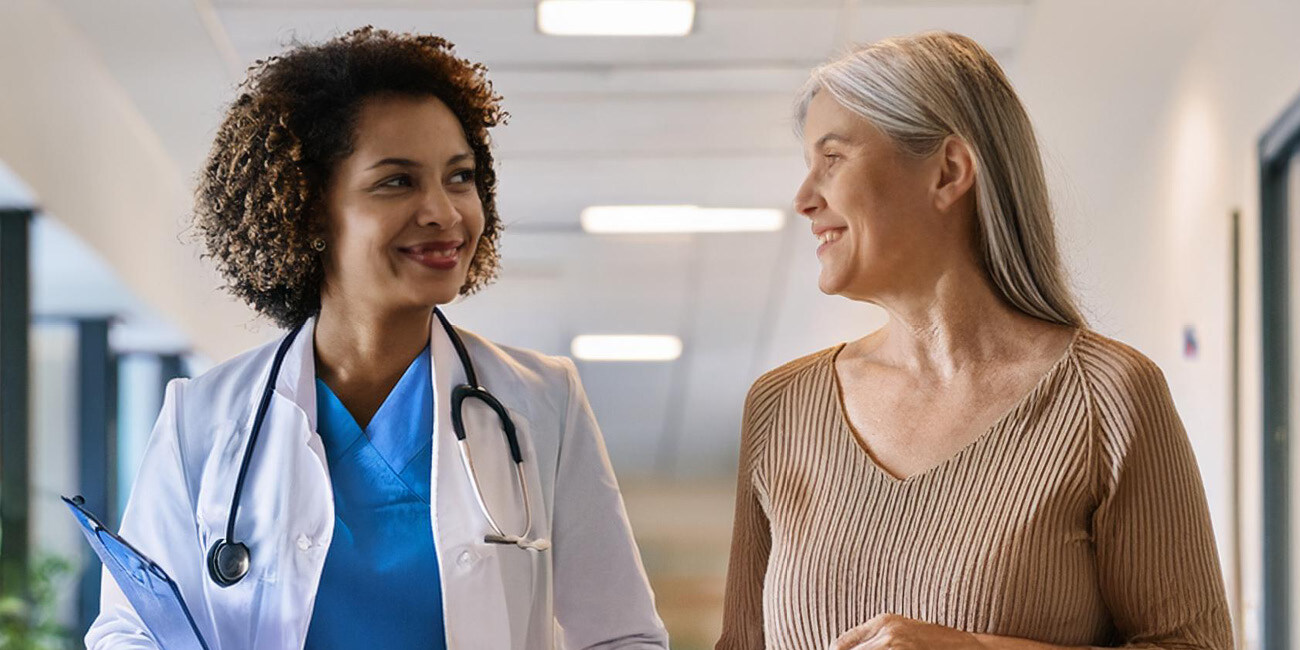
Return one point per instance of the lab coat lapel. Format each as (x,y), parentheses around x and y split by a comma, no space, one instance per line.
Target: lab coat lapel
(286,514)
(297,380)
(473,592)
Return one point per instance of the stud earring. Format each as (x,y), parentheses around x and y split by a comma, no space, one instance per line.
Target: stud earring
(318,244)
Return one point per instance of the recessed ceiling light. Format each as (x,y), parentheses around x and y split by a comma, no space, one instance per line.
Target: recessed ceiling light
(615,17)
(624,347)
(606,219)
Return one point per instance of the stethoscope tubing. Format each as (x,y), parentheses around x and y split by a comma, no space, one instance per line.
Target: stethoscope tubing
(242,558)
(258,419)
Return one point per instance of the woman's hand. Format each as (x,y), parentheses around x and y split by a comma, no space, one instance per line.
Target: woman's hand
(899,633)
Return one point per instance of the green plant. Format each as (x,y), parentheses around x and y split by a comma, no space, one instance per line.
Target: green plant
(32,624)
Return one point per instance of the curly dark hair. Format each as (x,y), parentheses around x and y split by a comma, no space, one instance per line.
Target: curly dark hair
(259,197)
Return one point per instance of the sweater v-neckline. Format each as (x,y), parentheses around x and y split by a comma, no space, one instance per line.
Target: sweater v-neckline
(846,426)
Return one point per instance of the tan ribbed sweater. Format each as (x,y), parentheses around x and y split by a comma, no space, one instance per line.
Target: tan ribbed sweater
(1079,518)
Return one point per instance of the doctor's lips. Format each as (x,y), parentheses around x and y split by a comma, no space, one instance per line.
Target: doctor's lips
(442,255)
(827,235)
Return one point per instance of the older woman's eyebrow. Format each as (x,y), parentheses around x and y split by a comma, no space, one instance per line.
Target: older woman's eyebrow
(460,158)
(821,142)
(830,137)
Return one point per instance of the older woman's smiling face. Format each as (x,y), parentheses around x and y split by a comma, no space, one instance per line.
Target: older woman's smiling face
(869,204)
(403,215)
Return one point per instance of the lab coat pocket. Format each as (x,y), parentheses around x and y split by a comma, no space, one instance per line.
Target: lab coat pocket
(523,573)
(478,610)
(231,609)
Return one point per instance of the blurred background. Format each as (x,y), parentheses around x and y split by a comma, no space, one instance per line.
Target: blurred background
(1169,129)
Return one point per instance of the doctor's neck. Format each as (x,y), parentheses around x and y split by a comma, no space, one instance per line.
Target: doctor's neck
(358,345)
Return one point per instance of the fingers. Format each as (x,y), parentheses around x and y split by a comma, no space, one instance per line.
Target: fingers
(858,637)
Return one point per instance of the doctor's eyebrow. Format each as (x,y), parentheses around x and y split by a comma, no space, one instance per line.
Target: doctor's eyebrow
(407,162)
(397,162)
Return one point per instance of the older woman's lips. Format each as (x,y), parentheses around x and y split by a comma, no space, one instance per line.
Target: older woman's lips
(443,256)
(828,238)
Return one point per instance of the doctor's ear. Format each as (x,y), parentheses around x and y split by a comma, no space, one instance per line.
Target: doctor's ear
(316,234)
(956,172)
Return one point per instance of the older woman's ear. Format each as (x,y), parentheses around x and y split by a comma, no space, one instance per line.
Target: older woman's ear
(956,173)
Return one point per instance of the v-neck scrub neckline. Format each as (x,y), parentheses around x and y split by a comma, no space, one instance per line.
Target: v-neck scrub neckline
(397,430)
(380,586)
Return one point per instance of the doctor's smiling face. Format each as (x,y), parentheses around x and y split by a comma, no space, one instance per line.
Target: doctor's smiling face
(373,143)
(402,214)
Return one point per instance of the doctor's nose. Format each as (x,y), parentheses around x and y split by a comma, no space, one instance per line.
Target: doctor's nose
(437,209)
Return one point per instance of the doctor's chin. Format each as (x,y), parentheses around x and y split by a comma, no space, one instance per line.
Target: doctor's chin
(649,324)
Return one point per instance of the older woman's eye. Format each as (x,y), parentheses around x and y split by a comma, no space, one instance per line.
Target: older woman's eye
(463,176)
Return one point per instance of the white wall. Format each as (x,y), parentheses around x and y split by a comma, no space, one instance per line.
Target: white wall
(1245,71)
(69,130)
(1150,112)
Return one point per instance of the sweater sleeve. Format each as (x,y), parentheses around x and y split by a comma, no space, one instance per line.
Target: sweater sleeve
(751,542)
(1158,567)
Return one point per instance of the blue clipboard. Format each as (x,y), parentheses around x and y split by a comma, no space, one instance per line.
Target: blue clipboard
(155,597)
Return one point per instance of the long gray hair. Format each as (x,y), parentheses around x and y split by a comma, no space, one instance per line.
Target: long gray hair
(921,89)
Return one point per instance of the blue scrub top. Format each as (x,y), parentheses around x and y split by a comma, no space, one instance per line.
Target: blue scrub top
(380,587)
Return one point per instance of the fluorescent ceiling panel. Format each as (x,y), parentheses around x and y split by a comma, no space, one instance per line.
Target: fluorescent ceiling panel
(615,17)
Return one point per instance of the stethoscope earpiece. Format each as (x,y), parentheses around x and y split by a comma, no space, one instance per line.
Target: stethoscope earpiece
(228,563)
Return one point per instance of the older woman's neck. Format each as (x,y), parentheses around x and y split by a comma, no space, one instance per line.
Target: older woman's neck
(960,319)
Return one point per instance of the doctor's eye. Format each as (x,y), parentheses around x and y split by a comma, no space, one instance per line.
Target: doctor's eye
(463,176)
(400,180)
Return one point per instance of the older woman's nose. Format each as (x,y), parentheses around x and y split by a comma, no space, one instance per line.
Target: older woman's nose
(807,200)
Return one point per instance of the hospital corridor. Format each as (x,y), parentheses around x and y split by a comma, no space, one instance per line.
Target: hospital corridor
(534,324)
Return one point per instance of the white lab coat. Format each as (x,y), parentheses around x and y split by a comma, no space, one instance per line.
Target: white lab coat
(588,591)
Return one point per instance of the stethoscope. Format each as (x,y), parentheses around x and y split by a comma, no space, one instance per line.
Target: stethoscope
(228,561)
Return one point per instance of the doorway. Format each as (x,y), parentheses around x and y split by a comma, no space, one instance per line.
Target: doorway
(1279,151)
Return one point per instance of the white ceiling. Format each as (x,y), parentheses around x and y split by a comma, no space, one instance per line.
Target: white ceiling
(703,119)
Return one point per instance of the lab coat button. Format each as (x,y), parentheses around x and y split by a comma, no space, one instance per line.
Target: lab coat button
(466,559)
(303,543)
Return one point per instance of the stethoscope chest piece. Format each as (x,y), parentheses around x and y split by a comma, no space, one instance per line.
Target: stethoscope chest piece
(228,562)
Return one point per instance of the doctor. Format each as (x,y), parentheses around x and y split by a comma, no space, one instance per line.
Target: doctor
(313,492)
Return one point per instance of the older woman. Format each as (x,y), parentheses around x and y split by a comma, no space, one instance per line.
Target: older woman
(982,471)
(375,477)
